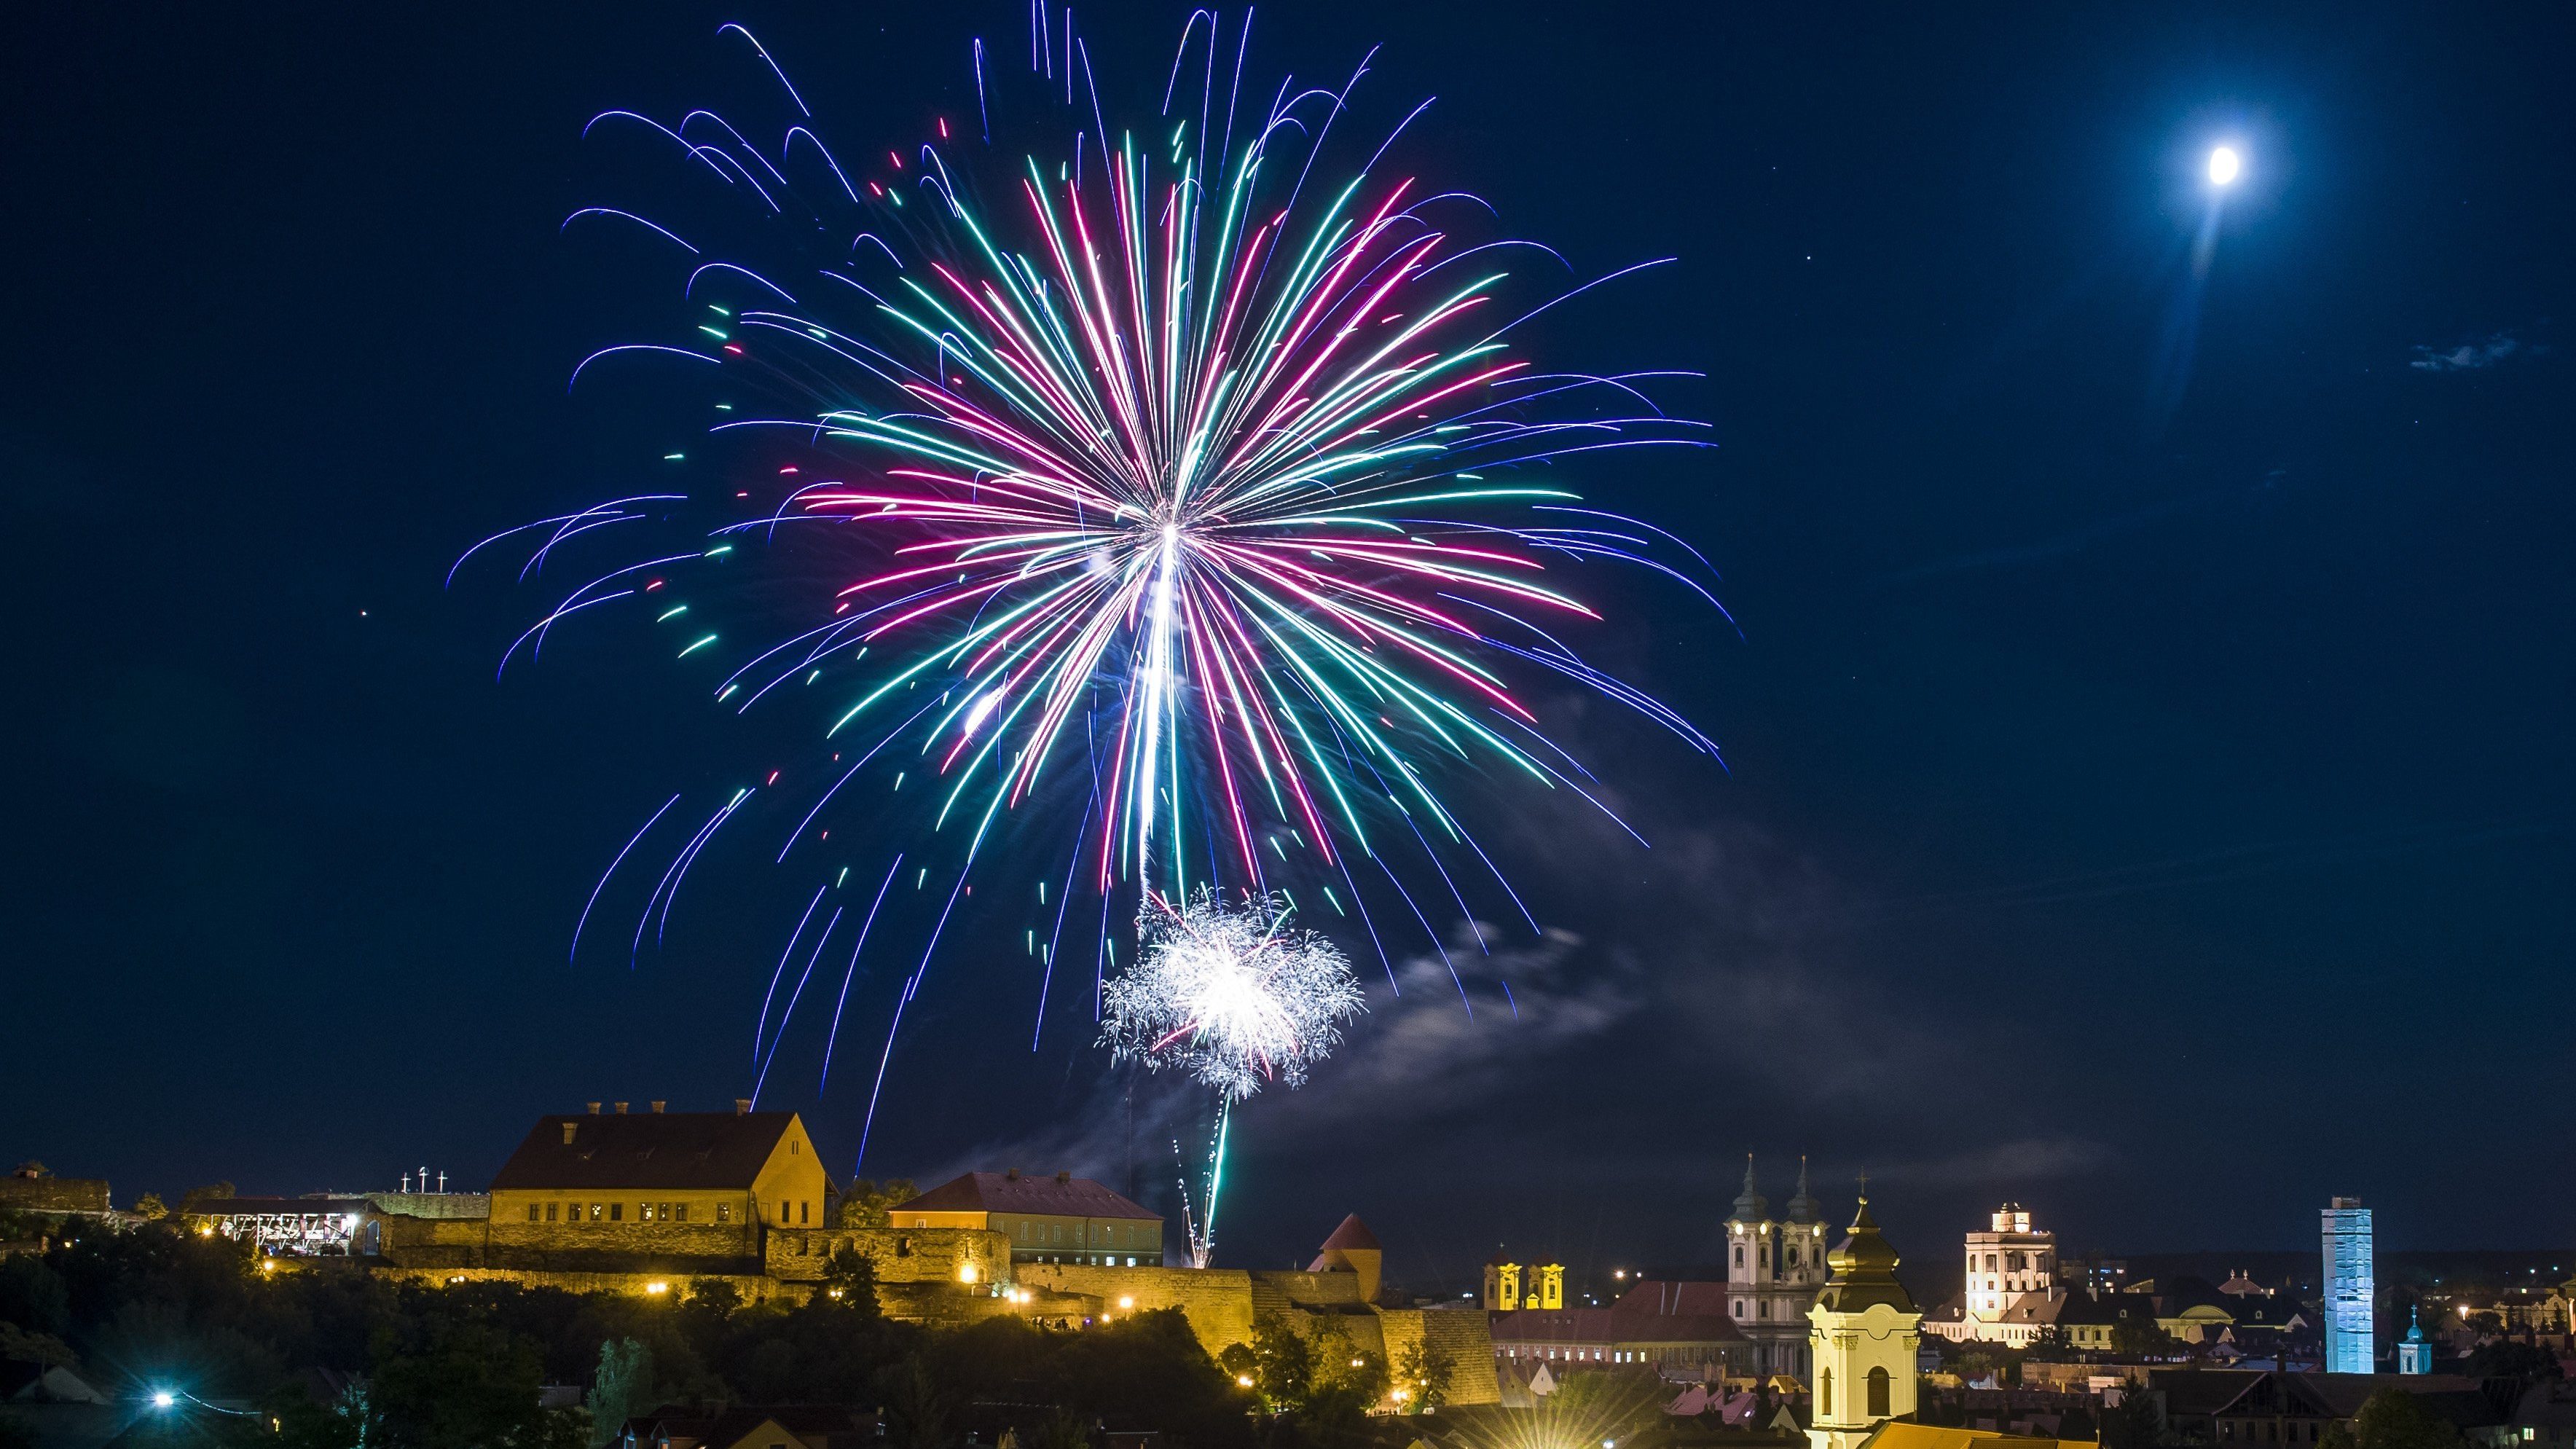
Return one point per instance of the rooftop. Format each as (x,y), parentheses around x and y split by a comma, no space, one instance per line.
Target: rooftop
(1062,1195)
(706,1151)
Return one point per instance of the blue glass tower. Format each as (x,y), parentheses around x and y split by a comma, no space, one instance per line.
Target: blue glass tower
(2349,1287)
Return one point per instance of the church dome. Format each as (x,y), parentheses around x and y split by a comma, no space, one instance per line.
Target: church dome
(1864,1270)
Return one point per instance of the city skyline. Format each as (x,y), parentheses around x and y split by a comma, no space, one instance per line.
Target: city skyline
(2141,783)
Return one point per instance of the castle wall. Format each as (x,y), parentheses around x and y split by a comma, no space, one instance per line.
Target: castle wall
(53,1194)
(901,1255)
(1217,1301)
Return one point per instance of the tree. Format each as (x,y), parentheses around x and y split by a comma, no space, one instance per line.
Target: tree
(2506,1358)
(471,1386)
(914,1412)
(151,1206)
(2396,1419)
(865,1204)
(622,1389)
(850,1280)
(2138,1336)
(1422,1374)
(2135,1422)
(33,1295)
(1280,1361)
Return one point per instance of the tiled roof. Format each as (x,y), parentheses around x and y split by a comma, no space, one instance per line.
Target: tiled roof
(999,1192)
(1352,1234)
(706,1151)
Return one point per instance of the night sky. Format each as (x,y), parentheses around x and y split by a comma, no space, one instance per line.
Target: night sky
(2147,792)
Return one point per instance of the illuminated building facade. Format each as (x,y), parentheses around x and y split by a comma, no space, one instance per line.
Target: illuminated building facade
(1058,1219)
(1773,1272)
(2349,1287)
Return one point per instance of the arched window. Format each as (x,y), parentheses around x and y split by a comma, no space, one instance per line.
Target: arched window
(1878,1393)
(1739,1255)
(1825,1394)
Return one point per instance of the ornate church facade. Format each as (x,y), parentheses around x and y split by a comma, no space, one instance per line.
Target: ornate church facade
(1774,1270)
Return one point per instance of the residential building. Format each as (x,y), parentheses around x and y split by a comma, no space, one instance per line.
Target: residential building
(2232,1407)
(1056,1219)
(2349,1287)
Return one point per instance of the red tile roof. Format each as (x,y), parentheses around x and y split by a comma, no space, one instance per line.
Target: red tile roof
(1352,1234)
(996,1192)
(707,1151)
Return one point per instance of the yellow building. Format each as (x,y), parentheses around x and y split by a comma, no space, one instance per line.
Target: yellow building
(1864,1330)
(1511,1287)
(692,1183)
(1058,1219)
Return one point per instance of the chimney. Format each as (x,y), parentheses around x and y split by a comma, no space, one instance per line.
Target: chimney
(621,1109)
(569,1129)
(742,1106)
(1011,1176)
(1064,1178)
(594,1109)
(657,1106)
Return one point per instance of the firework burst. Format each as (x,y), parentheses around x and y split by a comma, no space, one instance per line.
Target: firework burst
(1177,493)
(1235,997)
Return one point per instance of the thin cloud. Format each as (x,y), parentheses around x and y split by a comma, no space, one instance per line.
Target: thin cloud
(2004,1167)
(2475,355)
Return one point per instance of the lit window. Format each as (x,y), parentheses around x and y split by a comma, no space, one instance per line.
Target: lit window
(724,1212)
(684,1212)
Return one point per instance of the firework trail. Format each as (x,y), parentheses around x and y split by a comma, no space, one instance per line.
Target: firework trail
(1237,998)
(1171,491)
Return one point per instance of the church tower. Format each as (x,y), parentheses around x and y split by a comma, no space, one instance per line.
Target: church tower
(1802,1237)
(1863,1332)
(1748,1243)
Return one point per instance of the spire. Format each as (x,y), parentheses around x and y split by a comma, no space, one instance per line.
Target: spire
(1864,1268)
(2414,1324)
(1750,1205)
(1804,1208)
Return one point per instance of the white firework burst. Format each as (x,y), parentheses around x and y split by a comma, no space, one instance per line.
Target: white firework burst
(1233,995)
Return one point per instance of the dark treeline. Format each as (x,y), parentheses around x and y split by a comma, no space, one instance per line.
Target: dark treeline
(328,1355)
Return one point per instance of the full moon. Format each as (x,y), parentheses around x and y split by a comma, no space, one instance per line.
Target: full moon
(2223,166)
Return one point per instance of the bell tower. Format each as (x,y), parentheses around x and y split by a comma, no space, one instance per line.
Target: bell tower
(1863,1333)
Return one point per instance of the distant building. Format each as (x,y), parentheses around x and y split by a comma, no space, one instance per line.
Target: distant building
(31,1189)
(1773,1273)
(2349,1287)
(1510,1285)
(1865,1333)
(1680,1331)
(751,1426)
(2414,1355)
(666,1184)
(2231,1407)
(1057,1219)
(2011,1292)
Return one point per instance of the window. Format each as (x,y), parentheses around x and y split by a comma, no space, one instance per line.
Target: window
(805,1212)
(550,1211)
(1878,1393)
(1739,1255)
(1990,1262)
(532,1212)
(786,1213)
(684,1212)
(724,1212)
(617,1212)
(1762,1309)
(1825,1394)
